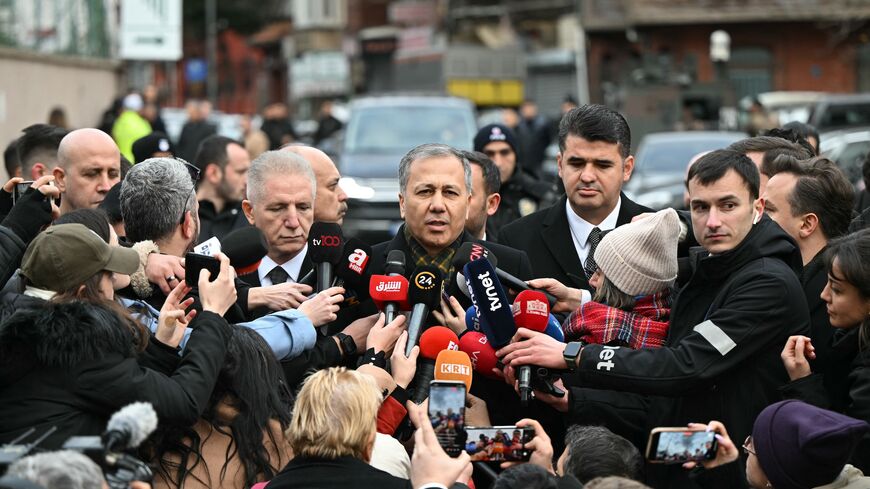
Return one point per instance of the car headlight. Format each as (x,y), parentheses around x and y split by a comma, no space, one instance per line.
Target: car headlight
(354,190)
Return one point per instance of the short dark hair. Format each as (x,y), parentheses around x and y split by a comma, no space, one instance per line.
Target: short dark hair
(771,146)
(821,189)
(804,130)
(595,451)
(594,122)
(715,164)
(213,150)
(525,476)
(792,136)
(38,141)
(491,175)
(10,158)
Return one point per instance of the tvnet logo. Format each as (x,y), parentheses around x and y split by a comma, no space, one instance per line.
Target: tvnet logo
(357,260)
(326,240)
(390,286)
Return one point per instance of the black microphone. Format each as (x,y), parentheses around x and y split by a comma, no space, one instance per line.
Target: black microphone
(472,251)
(395,266)
(353,271)
(245,247)
(325,243)
(425,294)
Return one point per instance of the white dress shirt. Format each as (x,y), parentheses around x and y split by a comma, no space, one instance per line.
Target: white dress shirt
(292,267)
(580,228)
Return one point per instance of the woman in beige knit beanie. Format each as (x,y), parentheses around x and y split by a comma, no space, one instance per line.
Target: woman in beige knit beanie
(637,266)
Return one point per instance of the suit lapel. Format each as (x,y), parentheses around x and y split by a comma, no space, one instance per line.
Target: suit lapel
(556,236)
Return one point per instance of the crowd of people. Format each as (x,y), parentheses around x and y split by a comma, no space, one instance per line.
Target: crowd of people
(746,315)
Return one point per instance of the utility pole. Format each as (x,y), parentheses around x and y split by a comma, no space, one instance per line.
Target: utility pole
(580,68)
(211,83)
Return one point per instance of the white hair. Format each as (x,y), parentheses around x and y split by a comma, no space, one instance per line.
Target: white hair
(277,162)
(63,469)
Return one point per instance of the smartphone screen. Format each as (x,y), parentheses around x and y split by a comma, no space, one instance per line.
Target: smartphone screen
(19,189)
(679,446)
(499,444)
(447,414)
(194,262)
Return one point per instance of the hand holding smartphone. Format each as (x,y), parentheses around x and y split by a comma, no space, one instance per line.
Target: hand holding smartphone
(194,263)
(677,445)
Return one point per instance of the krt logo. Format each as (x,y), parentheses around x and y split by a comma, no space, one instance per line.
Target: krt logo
(453,368)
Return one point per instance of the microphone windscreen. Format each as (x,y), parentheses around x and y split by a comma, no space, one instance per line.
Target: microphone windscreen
(427,284)
(453,365)
(531,310)
(471,319)
(325,242)
(554,329)
(494,311)
(435,339)
(138,420)
(481,353)
(461,284)
(395,263)
(383,289)
(245,247)
(472,251)
(353,268)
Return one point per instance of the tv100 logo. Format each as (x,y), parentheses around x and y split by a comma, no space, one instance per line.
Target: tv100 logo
(326,240)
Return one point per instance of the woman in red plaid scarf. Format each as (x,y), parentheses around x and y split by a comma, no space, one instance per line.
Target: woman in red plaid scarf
(631,305)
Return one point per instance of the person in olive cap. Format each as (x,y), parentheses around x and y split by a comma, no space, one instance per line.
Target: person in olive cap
(794,445)
(521,192)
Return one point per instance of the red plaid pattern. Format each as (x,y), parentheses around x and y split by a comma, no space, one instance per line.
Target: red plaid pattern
(646,326)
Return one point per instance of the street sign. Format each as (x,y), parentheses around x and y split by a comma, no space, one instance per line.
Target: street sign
(151,29)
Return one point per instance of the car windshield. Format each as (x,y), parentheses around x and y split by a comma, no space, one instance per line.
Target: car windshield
(672,156)
(846,115)
(393,129)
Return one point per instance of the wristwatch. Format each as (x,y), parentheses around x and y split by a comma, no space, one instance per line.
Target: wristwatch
(348,346)
(572,351)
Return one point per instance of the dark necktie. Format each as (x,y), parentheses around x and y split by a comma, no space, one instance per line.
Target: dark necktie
(278,275)
(593,239)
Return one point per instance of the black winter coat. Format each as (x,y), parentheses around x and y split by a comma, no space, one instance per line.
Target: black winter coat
(722,357)
(852,396)
(72,365)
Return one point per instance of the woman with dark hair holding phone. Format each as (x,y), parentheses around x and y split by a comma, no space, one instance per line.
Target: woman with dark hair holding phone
(847,295)
(239,439)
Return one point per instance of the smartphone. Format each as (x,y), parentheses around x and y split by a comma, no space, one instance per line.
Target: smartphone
(680,445)
(499,444)
(18,190)
(194,262)
(447,414)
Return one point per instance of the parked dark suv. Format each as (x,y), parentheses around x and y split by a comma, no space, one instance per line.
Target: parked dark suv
(380,130)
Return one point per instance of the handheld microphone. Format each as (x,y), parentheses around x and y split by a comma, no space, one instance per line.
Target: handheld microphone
(531,311)
(325,243)
(395,266)
(432,342)
(482,355)
(453,365)
(389,293)
(493,309)
(353,273)
(245,247)
(471,322)
(129,427)
(469,252)
(424,294)
(554,329)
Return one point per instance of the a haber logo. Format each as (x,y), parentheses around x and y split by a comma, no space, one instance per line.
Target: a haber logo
(536,307)
(425,280)
(390,286)
(453,368)
(326,240)
(477,252)
(357,260)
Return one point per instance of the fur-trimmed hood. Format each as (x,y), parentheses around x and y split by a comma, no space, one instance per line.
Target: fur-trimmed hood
(63,335)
